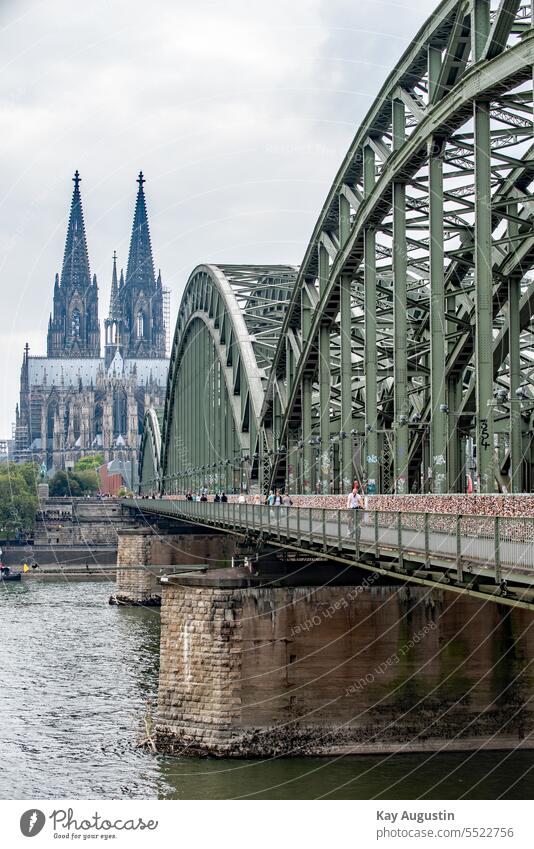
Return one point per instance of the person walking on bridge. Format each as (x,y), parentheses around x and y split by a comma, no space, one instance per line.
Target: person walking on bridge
(354,503)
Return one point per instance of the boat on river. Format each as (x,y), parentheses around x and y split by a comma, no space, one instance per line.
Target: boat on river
(10,576)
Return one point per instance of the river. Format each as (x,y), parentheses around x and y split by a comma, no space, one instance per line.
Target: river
(78,675)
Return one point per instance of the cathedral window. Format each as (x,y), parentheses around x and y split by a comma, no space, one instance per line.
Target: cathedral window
(140,325)
(75,324)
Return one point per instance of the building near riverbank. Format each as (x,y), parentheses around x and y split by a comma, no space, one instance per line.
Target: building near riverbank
(73,401)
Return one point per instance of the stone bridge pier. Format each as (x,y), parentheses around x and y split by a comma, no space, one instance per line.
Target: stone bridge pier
(144,554)
(264,666)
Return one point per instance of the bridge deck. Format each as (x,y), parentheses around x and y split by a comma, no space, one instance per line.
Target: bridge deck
(493,547)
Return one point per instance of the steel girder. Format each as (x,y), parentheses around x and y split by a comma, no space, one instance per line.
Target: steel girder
(409,324)
(403,352)
(150,477)
(226,334)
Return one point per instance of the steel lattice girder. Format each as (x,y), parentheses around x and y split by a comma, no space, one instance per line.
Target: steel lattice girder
(429,218)
(410,319)
(226,334)
(150,452)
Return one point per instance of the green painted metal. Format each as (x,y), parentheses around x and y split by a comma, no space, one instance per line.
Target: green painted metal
(403,344)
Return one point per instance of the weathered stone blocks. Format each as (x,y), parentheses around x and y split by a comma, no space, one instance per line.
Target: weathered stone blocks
(261,671)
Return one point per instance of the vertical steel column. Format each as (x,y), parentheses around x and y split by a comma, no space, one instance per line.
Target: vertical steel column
(514,352)
(216,417)
(306,396)
(371,391)
(186,401)
(224,432)
(483,265)
(345,331)
(400,320)
(210,433)
(194,423)
(325,378)
(277,417)
(230,453)
(345,328)
(438,414)
(306,434)
(289,367)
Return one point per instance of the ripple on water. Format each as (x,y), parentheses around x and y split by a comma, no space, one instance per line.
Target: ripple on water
(75,677)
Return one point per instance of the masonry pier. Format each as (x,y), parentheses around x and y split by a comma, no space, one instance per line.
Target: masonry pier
(285,664)
(146,553)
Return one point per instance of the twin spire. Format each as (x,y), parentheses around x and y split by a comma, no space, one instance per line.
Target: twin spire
(135,319)
(76,272)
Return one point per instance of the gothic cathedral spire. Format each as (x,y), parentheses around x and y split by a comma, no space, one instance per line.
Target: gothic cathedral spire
(141,297)
(75,272)
(140,268)
(74,330)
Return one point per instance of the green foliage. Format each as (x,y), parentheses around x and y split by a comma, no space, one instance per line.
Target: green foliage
(18,497)
(87,480)
(89,463)
(62,484)
(73,484)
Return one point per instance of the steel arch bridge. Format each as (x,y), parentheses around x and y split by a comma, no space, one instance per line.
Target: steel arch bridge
(402,350)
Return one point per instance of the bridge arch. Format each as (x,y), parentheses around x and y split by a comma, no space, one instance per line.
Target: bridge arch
(401,353)
(150,477)
(411,311)
(225,337)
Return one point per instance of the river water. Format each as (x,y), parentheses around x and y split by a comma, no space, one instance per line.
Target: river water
(77,677)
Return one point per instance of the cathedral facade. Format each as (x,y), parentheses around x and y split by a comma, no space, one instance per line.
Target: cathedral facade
(74,402)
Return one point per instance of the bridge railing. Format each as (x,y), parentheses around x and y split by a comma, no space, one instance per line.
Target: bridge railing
(469,543)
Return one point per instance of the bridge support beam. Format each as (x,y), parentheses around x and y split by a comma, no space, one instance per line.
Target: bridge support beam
(346,475)
(306,435)
(371,399)
(400,318)
(438,437)
(325,377)
(483,267)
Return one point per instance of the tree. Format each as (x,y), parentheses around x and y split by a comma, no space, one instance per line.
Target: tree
(64,484)
(89,463)
(73,484)
(18,498)
(88,480)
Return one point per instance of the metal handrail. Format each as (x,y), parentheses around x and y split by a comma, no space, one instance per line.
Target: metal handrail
(497,541)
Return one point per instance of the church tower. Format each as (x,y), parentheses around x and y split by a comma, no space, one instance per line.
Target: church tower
(114,323)
(73,328)
(138,304)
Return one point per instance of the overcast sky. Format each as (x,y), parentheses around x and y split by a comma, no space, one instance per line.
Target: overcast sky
(238,112)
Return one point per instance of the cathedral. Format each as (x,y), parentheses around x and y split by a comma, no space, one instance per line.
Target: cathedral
(74,402)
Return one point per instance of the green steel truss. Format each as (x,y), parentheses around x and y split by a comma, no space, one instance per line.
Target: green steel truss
(226,334)
(150,476)
(403,352)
